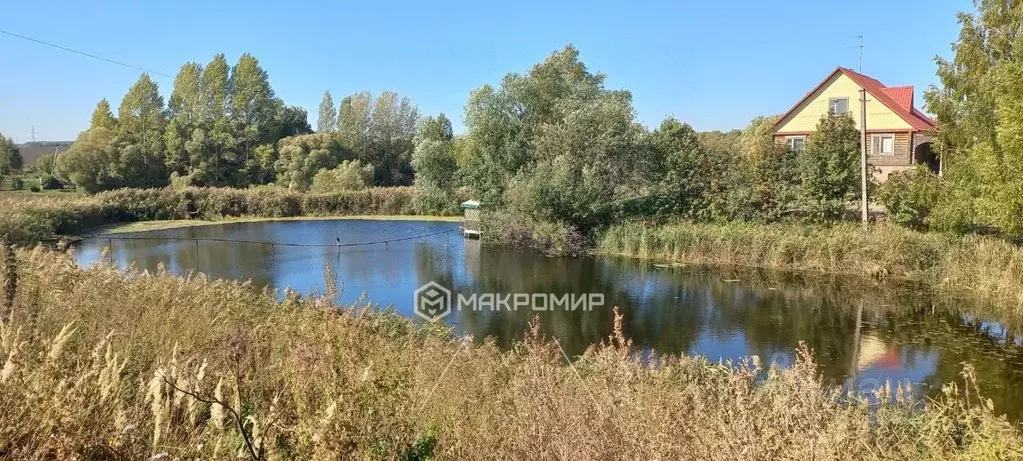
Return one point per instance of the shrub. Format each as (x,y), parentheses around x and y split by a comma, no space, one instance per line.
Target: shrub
(44,217)
(17,184)
(522,231)
(910,195)
(348,175)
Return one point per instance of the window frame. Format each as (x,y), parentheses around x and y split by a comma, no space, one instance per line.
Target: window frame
(876,143)
(831,102)
(789,139)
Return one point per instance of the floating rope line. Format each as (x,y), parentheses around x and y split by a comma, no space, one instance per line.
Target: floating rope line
(260,242)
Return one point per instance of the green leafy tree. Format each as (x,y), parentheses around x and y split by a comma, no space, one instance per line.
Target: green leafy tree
(909,196)
(554,144)
(687,169)
(347,175)
(102,116)
(45,163)
(140,136)
(391,132)
(187,108)
(764,179)
(437,129)
(301,157)
(210,147)
(353,121)
(327,121)
(10,156)
(978,108)
(502,122)
(829,167)
(294,121)
(255,114)
(92,162)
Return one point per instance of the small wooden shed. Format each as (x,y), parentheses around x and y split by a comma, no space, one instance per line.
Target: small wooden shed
(471,222)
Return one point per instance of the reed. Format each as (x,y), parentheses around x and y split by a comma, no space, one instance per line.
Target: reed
(99,364)
(33,219)
(982,265)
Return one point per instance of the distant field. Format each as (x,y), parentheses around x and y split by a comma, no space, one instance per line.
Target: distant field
(26,194)
(31,152)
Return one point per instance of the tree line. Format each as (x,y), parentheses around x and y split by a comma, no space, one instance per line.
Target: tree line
(553,144)
(223,125)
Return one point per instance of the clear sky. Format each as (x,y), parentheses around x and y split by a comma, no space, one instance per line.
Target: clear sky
(714,64)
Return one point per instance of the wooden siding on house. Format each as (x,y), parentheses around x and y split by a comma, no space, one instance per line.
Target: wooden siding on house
(901,156)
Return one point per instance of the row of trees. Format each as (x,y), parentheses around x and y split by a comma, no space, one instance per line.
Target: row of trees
(556,145)
(223,125)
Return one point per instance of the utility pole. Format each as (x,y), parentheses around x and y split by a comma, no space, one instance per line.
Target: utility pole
(864,210)
(33,133)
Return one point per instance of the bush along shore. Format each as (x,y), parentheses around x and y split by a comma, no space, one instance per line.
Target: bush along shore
(97,364)
(28,220)
(988,267)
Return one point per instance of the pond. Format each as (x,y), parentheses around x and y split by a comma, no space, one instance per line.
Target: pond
(863,333)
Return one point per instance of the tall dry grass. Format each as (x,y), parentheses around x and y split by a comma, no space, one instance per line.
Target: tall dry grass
(98,364)
(34,219)
(986,266)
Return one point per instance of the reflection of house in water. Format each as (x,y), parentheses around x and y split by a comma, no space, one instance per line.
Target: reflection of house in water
(873,351)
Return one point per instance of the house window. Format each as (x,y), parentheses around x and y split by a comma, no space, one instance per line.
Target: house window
(838,106)
(884,144)
(795,143)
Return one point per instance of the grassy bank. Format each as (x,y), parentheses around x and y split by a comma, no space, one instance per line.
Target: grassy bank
(142,226)
(32,219)
(987,266)
(102,365)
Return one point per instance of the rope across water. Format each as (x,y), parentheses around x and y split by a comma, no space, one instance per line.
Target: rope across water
(261,242)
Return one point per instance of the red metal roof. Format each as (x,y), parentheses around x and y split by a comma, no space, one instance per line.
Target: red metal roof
(899,99)
(902,95)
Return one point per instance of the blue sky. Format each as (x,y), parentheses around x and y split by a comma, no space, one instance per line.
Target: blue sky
(713,64)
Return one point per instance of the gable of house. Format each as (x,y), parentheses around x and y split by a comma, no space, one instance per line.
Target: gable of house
(803,117)
(899,134)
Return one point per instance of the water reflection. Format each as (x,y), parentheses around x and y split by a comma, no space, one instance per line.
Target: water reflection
(862,333)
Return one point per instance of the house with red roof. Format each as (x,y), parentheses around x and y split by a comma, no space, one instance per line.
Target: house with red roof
(899,135)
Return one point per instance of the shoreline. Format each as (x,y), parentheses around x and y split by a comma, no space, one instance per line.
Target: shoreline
(145,226)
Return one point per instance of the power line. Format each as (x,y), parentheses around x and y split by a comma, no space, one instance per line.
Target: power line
(64,48)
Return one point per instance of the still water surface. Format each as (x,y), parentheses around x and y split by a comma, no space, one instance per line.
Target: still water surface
(862,333)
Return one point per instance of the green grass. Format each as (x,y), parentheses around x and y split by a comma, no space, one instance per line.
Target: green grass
(142,226)
(98,364)
(28,219)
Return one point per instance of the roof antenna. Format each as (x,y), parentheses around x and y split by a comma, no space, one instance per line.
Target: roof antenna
(860,70)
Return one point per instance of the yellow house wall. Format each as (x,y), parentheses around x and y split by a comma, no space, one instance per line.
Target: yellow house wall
(805,117)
